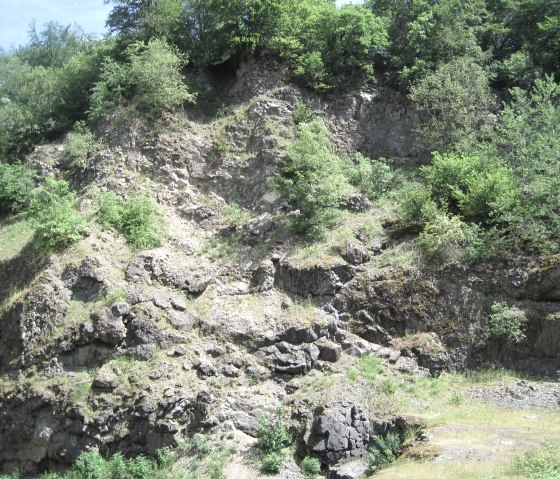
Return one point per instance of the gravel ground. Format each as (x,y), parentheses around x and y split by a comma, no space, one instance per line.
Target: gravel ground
(520,395)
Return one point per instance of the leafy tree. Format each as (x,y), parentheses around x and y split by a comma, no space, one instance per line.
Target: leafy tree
(151,77)
(327,46)
(425,34)
(456,104)
(313,178)
(54,46)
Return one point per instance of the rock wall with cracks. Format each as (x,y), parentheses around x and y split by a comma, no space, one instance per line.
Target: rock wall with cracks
(107,348)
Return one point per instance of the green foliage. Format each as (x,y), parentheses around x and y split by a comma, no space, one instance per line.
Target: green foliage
(45,87)
(328,47)
(373,178)
(303,113)
(79,145)
(52,211)
(273,434)
(138,218)
(544,463)
(505,323)
(385,451)
(151,77)
(416,208)
(388,387)
(456,103)
(90,465)
(271,462)
(479,188)
(443,239)
(314,179)
(424,34)
(311,467)
(16,186)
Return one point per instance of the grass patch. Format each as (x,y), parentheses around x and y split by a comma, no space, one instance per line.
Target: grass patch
(14,235)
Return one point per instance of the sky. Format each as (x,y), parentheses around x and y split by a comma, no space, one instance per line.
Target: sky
(17,15)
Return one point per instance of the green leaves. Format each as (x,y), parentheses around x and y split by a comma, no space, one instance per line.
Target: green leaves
(138,218)
(53,213)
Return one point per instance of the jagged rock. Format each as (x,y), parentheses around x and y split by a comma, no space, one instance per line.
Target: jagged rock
(339,433)
(357,202)
(351,470)
(292,386)
(356,254)
(289,359)
(178,303)
(106,327)
(106,380)
(262,277)
(161,299)
(261,225)
(406,365)
(205,367)
(214,350)
(183,320)
(317,280)
(329,351)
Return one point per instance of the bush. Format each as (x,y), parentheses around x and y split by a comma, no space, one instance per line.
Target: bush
(505,324)
(443,239)
(479,188)
(151,77)
(456,102)
(272,437)
(16,186)
(138,218)
(272,462)
(386,450)
(417,208)
(273,434)
(373,178)
(311,467)
(79,145)
(90,465)
(314,179)
(303,113)
(52,211)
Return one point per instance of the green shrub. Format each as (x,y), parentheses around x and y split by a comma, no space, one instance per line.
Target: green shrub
(505,323)
(443,239)
(52,211)
(314,179)
(373,178)
(138,218)
(16,186)
(90,465)
(12,475)
(273,433)
(311,467)
(543,463)
(151,77)
(388,387)
(272,462)
(79,145)
(479,188)
(416,208)
(385,451)
(303,113)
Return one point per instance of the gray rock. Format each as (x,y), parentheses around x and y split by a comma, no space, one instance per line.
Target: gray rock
(161,299)
(356,202)
(351,470)
(205,367)
(214,350)
(329,351)
(356,254)
(178,303)
(289,359)
(183,320)
(107,380)
(339,433)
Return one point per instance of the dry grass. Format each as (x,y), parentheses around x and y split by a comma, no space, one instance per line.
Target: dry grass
(14,235)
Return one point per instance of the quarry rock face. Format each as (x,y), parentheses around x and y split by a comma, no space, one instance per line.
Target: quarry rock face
(106,347)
